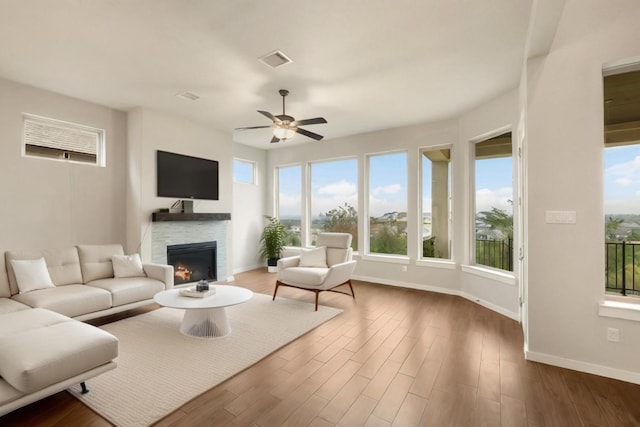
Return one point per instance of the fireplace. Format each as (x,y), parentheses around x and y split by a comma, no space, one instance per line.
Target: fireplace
(193,261)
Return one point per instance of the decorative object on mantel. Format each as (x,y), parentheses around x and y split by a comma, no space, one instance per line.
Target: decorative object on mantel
(272,242)
(193,216)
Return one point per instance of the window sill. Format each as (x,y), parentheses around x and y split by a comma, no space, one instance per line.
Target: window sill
(620,309)
(436,263)
(499,276)
(393,259)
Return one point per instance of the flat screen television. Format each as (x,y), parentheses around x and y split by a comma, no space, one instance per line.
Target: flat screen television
(186,177)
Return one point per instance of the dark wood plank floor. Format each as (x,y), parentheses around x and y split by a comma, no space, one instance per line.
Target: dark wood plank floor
(395,357)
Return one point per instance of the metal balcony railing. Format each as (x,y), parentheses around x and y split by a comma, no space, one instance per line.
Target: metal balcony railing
(622,270)
(495,253)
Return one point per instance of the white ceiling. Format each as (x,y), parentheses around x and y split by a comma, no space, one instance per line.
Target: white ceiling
(364,65)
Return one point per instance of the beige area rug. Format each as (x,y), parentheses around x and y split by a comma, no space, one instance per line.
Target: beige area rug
(159,369)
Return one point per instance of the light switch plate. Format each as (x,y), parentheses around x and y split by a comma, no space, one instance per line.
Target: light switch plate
(560,217)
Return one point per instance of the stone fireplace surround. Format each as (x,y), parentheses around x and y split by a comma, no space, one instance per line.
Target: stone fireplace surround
(175,228)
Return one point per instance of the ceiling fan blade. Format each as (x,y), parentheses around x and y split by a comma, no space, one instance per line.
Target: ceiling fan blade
(309,134)
(275,139)
(253,127)
(314,121)
(267,114)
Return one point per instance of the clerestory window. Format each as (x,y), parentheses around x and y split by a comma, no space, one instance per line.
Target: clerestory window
(58,140)
(244,171)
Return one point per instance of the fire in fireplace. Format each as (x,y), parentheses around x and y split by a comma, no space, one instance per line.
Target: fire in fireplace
(193,261)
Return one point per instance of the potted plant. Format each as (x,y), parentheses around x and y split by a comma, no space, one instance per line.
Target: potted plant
(272,241)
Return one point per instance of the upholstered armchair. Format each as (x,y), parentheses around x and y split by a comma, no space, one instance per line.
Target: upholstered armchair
(322,268)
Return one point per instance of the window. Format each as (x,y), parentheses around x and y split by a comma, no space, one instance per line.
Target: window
(334,198)
(290,202)
(244,171)
(493,218)
(622,183)
(388,204)
(58,140)
(436,198)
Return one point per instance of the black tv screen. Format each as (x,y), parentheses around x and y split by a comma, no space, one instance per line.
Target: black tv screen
(186,177)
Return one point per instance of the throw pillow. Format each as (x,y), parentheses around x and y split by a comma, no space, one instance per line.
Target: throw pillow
(31,274)
(316,257)
(127,266)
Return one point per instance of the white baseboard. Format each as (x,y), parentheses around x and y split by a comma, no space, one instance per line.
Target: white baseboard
(491,306)
(577,365)
(247,268)
(407,285)
(448,291)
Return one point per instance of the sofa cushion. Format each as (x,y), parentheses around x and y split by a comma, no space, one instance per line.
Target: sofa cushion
(63,265)
(31,274)
(33,318)
(8,305)
(303,276)
(95,261)
(70,300)
(128,290)
(127,266)
(8,393)
(40,357)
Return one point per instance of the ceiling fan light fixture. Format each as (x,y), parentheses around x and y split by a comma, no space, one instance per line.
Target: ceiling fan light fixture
(284,131)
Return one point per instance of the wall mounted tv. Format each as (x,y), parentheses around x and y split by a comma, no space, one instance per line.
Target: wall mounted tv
(186,177)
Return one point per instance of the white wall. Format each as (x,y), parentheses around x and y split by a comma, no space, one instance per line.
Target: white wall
(565,172)
(499,114)
(249,208)
(52,204)
(150,131)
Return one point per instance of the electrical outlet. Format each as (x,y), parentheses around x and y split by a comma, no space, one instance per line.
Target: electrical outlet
(613,334)
(404,268)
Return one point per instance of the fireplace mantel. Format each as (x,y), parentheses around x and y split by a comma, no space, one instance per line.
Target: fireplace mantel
(193,216)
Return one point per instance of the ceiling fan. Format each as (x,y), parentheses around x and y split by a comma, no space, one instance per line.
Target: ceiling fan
(285,127)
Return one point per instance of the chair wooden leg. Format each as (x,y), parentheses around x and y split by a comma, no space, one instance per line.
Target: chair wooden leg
(275,291)
(351,287)
(317,293)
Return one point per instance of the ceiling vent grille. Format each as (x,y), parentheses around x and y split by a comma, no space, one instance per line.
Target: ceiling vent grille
(275,59)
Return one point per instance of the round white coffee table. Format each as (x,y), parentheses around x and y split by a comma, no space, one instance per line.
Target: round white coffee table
(205,317)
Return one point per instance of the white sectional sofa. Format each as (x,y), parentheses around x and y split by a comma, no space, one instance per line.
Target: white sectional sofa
(44,345)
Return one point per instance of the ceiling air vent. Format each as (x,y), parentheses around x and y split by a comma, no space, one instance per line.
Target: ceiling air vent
(275,59)
(189,96)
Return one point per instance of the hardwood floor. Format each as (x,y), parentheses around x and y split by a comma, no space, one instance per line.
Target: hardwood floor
(395,357)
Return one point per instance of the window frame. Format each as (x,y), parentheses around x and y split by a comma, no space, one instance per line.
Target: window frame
(100,135)
(303,203)
(254,171)
(499,275)
(366,247)
(420,259)
(310,165)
